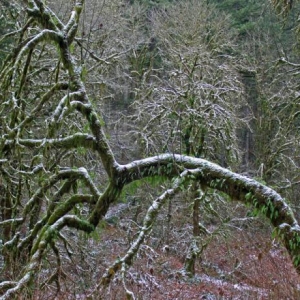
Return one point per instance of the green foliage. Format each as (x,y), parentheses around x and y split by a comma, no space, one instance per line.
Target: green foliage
(258,209)
(244,13)
(249,197)
(6,25)
(133,187)
(257,23)
(218,183)
(294,246)
(97,233)
(152,3)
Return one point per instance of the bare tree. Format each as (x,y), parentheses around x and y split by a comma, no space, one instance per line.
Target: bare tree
(189,97)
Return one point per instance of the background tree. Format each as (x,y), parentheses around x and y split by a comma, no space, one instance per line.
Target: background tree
(8,15)
(188,103)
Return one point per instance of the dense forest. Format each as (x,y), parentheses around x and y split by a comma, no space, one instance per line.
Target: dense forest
(150,149)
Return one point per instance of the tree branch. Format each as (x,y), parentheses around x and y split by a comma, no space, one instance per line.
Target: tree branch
(238,187)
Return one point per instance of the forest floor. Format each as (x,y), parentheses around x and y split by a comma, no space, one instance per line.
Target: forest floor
(245,263)
(242,268)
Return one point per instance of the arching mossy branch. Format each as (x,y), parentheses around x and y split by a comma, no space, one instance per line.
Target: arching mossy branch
(238,187)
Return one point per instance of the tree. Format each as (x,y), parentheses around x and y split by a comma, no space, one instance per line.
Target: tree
(244,13)
(272,96)
(191,96)
(7,16)
(187,104)
(53,135)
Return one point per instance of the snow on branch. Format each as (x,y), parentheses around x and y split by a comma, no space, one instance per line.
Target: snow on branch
(240,188)
(70,142)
